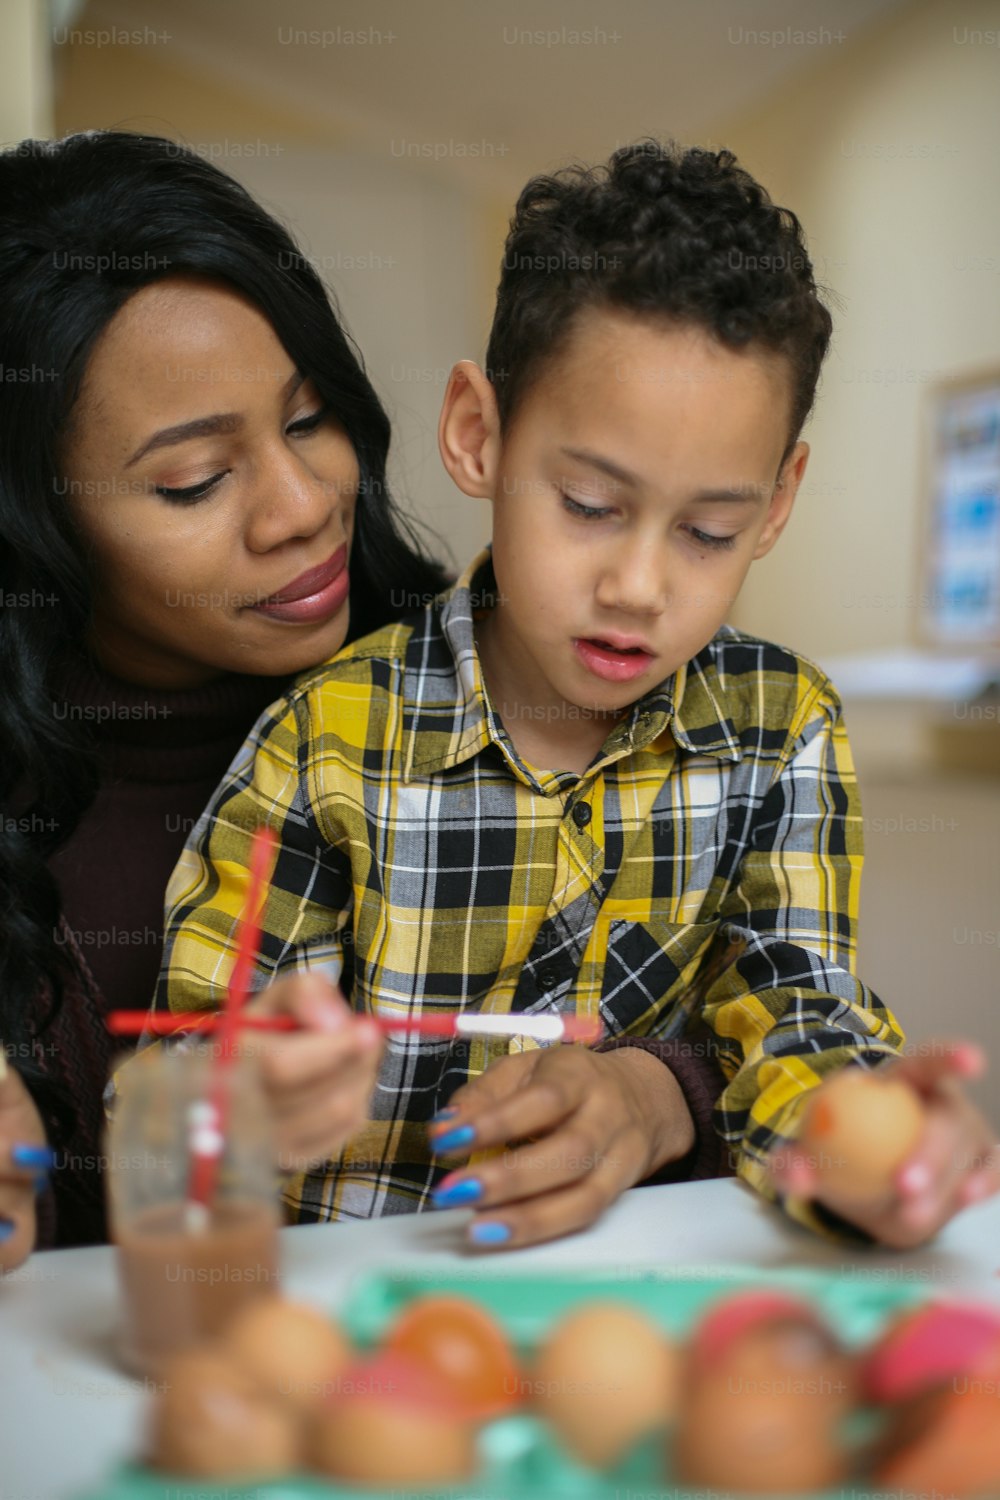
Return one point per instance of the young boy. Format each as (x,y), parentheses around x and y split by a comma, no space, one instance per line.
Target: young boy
(564,783)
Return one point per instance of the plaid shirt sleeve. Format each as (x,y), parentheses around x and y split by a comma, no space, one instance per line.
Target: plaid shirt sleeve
(309,900)
(791,1011)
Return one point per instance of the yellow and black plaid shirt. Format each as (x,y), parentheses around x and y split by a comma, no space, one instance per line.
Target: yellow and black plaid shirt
(421,856)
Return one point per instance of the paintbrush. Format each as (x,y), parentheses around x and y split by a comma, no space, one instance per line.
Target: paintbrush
(540,1028)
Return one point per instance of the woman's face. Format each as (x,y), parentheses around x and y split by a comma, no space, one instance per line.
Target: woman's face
(214,493)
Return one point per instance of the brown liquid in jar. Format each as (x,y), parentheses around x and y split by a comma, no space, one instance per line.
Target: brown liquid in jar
(182,1286)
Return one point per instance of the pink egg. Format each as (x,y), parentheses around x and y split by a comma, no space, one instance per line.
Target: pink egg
(725,1323)
(947,1443)
(764,1399)
(929,1347)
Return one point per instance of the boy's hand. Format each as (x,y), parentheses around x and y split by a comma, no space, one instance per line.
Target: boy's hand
(319,1080)
(956,1162)
(589,1124)
(20,1127)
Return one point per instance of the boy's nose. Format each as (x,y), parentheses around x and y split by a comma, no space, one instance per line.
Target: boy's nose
(634,582)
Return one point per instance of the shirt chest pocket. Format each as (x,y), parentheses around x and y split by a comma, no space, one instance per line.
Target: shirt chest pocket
(645,962)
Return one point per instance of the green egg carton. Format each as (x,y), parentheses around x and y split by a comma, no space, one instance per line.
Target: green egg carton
(674,1297)
(520,1458)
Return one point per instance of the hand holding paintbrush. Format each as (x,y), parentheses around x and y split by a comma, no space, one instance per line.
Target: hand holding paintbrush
(320,1060)
(318,1077)
(317,1062)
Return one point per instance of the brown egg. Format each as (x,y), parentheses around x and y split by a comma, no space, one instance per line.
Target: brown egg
(391,1422)
(948,1442)
(293,1351)
(465,1347)
(765,1391)
(603,1377)
(859,1130)
(213,1421)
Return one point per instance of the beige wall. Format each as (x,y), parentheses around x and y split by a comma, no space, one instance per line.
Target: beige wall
(25,77)
(888,154)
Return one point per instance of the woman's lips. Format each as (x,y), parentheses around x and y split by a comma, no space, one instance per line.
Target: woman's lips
(613,664)
(315,595)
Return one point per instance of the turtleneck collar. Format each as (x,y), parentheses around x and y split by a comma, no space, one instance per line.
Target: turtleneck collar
(161,734)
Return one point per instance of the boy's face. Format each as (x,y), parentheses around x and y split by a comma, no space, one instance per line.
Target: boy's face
(633,489)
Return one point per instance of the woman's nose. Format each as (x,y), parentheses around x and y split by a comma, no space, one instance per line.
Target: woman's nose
(292,502)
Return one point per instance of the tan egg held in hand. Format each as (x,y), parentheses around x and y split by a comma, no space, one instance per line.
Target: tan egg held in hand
(860,1128)
(603,1378)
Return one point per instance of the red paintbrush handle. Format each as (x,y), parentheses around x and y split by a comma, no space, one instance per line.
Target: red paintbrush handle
(162,1023)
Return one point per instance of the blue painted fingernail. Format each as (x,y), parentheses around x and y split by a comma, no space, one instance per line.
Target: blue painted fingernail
(32,1158)
(454,1140)
(469,1190)
(489,1234)
(7,1227)
(40,1183)
(443,1114)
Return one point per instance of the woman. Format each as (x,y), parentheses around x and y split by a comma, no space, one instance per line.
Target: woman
(159,586)
(192,453)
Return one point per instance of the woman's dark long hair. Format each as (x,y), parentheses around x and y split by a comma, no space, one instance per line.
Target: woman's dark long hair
(84,223)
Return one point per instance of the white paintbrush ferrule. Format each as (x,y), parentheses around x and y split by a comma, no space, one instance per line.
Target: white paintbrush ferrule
(539,1028)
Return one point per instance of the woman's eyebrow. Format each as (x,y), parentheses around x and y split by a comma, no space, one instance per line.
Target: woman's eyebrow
(220,422)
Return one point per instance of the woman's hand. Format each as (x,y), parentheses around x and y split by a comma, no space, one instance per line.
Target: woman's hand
(318,1080)
(956,1161)
(580,1128)
(24,1156)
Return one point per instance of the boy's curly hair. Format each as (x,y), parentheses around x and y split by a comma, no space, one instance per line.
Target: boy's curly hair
(680,234)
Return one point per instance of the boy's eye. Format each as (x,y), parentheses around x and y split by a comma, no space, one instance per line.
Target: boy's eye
(193,492)
(709,539)
(586,512)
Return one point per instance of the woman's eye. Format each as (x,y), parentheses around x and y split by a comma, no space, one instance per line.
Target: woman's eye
(310,423)
(585,512)
(193,492)
(708,539)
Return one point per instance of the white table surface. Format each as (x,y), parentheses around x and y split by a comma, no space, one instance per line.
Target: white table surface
(68,1414)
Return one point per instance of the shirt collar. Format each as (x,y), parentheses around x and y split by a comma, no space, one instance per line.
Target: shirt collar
(447,717)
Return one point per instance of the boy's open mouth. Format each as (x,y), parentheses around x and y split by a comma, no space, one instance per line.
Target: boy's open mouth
(618,650)
(611,661)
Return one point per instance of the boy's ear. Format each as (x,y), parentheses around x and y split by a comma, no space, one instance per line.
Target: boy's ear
(469,430)
(783,498)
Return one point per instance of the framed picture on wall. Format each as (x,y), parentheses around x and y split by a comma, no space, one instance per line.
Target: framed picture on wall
(960,544)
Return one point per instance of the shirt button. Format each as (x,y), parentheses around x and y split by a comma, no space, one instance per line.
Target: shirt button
(548,979)
(582,814)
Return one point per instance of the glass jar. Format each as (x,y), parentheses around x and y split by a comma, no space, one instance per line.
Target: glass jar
(185,1269)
